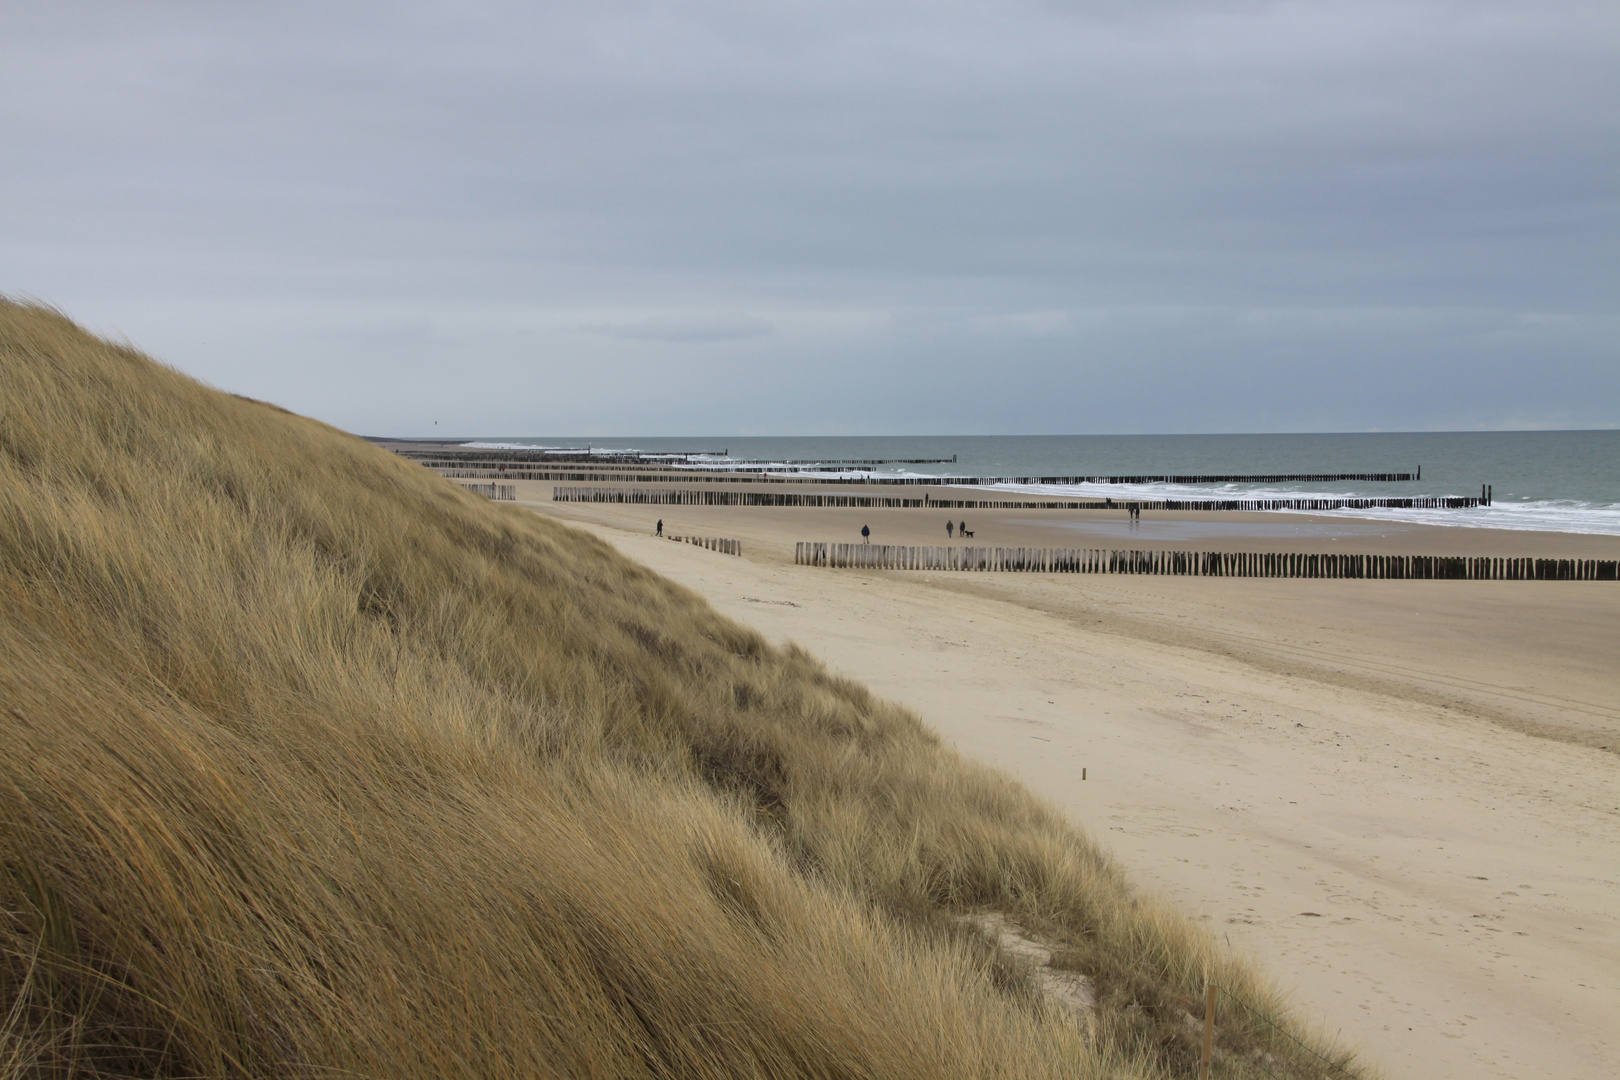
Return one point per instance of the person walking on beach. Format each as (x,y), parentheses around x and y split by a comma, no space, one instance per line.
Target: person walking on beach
(950,529)
(866,535)
(660,527)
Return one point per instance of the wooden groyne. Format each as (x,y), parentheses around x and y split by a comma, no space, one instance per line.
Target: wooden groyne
(815,463)
(695,497)
(500,492)
(1189,478)
(426,452)
(711,543)
(1266,564)
(449,454)
(748,473)
(629,474)
(1229,478)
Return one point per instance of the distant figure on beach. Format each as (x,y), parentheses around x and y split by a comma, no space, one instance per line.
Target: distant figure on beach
(961,527)
(866,535)
(950,527)
(660,526)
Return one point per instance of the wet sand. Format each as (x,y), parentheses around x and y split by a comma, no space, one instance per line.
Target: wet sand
(1403,798)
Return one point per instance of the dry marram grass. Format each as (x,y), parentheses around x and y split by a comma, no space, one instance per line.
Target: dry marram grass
(314,764)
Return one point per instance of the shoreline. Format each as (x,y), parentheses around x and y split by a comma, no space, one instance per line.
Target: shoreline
(1228,530)
(1426,766)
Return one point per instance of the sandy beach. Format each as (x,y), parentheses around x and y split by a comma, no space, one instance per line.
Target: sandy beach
(1402,797)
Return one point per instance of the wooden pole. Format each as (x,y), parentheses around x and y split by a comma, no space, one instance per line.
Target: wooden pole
(1209,1029)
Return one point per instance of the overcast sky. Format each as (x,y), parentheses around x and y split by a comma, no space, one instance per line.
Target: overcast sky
(829,218)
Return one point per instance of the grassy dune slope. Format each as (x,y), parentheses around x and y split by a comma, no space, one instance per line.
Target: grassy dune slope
(312,763)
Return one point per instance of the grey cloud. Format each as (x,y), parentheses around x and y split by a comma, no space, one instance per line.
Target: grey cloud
(1209,210)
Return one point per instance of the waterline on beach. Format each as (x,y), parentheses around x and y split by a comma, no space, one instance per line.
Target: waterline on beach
(1546,515)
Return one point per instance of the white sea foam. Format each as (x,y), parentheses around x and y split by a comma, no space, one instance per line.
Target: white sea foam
(562,450)
(1545,515)
(509,446)
(1530,516)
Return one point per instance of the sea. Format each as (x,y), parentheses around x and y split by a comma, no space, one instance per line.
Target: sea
(1548,481)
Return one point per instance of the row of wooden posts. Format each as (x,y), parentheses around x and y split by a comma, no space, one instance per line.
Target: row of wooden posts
(619,474)
(1199,478)
(694,497)
(491,458)
(712,543)
(580,456)
(502,492)
(762,475)
(626,474)
(1266,564)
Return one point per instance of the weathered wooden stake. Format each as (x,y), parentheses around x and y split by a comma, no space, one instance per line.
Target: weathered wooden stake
(1209,1029)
